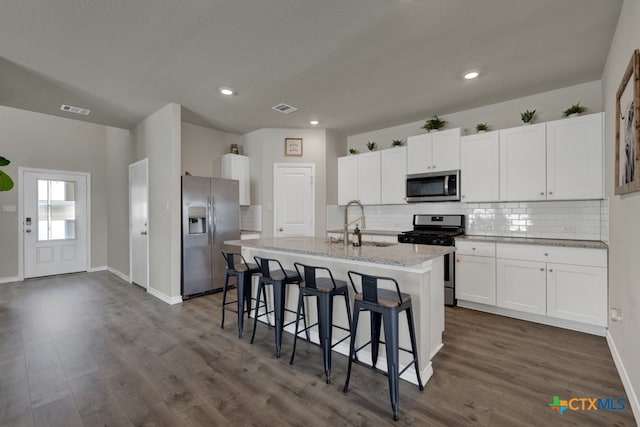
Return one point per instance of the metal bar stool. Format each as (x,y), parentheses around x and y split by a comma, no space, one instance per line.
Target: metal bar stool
(383,305)
(238,267)
(278,278)
(324,289)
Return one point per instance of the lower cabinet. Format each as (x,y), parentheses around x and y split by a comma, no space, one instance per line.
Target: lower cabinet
(555,282)
(521,285)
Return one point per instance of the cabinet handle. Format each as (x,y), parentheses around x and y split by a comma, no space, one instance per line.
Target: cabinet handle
(546,254)
(434,166)
(457,259)
(550,193)
(551,270)
(541,269)
(542,193)
(428,167)
(473,249)
(463,196)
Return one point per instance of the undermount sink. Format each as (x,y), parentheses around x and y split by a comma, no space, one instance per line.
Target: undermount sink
(376,244)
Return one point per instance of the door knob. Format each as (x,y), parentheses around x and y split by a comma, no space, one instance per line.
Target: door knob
(143,233)
(28,230)
(280,229)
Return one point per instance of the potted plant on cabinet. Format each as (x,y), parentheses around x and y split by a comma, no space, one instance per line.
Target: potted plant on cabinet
(434,124)
(574,110)
(527,116)
(353,151)
(6,183)
(397,143)
(482,127)
(371,145)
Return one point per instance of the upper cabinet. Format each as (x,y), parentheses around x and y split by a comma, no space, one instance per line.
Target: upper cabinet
(434,151)
(235,166)
(574,158)
(359,178)
(479,155)
(522,163)
(394,175)
(347,179)
(559,160)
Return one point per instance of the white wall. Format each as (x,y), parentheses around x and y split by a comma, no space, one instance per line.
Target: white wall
(266,147)
(120,153)
(548,106)
(41,141)
(202,149)
(158,139)
(624,211)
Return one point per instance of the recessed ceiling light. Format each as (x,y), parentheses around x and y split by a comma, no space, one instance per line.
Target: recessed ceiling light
(227,91)
(314,122)
(471,75)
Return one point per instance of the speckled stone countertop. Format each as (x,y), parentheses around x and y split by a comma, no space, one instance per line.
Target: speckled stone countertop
(396,254)
(588,244)
(367,231)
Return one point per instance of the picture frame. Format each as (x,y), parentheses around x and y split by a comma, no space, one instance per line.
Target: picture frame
(293,147)
(627,167)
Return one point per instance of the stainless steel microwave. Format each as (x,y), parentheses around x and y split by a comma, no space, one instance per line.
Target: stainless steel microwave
(433,187)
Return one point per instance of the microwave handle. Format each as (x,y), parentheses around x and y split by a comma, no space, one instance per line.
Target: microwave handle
(446,185)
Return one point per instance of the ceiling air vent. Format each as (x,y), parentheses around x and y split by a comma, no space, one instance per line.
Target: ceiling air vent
(72,109)
(284,108)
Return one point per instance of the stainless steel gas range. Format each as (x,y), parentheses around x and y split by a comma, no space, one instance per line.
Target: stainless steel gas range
(438,230)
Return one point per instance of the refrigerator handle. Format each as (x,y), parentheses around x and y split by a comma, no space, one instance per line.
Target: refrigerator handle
(213,227)
(209,215)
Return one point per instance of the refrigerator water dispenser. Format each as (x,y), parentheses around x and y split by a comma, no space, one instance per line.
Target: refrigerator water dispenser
(197,220)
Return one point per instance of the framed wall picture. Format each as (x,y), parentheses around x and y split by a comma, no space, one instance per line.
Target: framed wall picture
(627,166)
(293,147)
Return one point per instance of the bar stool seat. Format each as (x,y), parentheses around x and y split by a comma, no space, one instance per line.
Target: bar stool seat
(324,289)
(278,279)
(384,307)
(239,268)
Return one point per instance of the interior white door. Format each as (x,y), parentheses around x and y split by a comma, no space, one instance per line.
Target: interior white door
(138,222)
(55,209)
(294,196)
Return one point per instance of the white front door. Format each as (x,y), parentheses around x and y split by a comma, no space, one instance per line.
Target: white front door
(138,222)
(294,199)
(55,215)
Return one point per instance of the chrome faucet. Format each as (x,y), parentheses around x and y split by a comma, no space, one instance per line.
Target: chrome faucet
(345,230)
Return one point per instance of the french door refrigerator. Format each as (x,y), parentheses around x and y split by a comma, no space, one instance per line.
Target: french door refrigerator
(210,215)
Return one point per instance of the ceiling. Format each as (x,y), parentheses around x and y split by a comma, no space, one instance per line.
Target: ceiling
(354,65)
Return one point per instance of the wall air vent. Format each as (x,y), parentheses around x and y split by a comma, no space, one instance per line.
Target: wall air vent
(72,109)
(284,108)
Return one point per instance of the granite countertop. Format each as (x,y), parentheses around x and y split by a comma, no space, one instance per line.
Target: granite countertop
(588,244)
(396,254)
(250,231)
(367,231)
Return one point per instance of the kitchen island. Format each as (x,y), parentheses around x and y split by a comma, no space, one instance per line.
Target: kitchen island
(418,269)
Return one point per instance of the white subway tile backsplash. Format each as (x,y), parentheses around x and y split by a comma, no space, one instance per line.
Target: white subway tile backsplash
(251,218)
(579,220)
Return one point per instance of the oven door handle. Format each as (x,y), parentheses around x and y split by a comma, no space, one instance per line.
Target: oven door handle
(446,185)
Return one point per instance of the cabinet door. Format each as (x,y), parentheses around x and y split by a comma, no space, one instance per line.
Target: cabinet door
(523,161)
(521,285)
(235,166)
(369,176)
(394,175)
(445,150)
(419,158)
(479,167)
(476,279)
(575,158)
(577,293)
(347,179)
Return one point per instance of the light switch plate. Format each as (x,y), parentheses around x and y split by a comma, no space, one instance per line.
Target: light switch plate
(8,208)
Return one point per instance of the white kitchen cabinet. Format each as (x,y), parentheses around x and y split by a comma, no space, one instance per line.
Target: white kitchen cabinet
(238,167)
(575,158)
(476,271)
(479,167)
(578,293)
(347,179)
(434,151)
(394,175)
(523,163)
(521,285)
(369,178)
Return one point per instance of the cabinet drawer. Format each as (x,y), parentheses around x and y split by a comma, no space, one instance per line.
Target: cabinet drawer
(476,248)
(561,255)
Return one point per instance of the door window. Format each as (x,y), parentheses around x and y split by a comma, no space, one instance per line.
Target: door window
(56,210)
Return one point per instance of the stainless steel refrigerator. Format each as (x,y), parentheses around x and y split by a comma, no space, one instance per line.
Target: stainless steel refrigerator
(210,215)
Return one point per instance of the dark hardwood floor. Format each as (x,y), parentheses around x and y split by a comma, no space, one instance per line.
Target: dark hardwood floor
(89,349)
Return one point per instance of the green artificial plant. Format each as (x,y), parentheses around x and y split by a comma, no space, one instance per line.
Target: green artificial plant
(434,124)
(574,109)
(6,183)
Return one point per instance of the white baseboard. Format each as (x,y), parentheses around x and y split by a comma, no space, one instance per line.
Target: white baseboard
(164,297)
(120,274)
(9,279)
(560,323)
(94,269)
(626,381)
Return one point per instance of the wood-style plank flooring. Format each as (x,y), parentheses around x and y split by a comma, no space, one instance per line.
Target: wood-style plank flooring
(89,349)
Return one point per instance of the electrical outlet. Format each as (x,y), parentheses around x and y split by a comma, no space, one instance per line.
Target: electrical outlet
(616,314)
(8,208)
